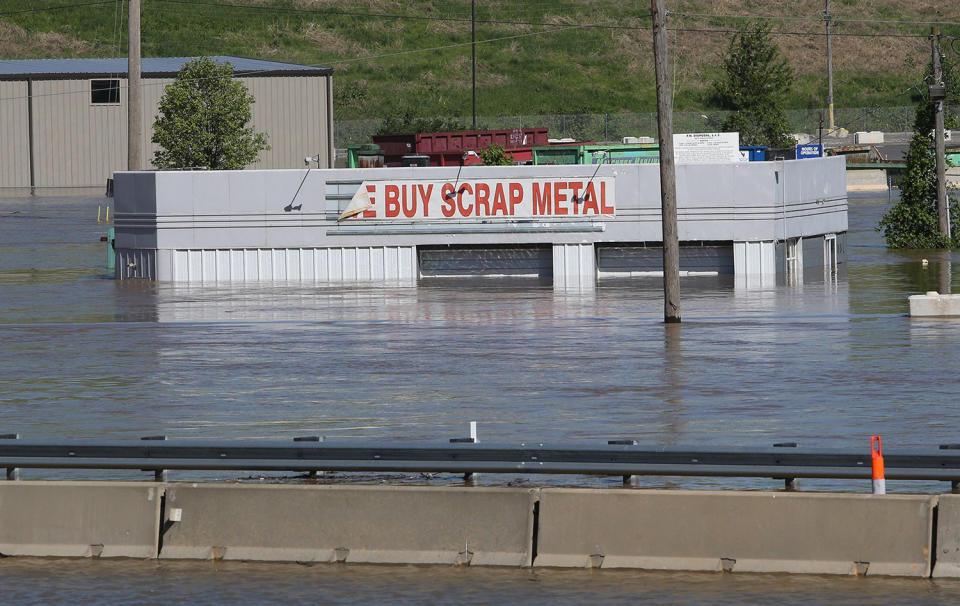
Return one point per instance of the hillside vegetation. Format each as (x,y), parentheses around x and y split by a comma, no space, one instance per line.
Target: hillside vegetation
(533,56)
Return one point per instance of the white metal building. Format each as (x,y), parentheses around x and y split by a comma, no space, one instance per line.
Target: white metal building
(574,223)
(63,122)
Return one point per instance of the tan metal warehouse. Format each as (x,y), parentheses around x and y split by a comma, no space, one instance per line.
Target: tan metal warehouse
(63,122)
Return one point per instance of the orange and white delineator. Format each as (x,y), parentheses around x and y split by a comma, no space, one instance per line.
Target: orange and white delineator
(876,454)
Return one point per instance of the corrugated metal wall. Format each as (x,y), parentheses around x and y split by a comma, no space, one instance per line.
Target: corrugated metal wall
(293,111)
(333,265)
(78,144)
(14,137)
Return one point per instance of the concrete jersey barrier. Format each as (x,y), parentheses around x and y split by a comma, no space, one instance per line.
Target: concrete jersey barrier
(383,524)
(736,531)
(80,519)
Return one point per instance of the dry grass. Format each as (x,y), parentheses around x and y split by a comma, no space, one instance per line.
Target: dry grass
(330,41)
(16,43)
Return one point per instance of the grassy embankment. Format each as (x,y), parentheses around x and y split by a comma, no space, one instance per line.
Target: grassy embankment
(544,62)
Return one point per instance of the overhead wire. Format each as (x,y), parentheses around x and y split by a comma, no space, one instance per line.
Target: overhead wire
(243,73)
(40,9)
(554,29)
(835,18)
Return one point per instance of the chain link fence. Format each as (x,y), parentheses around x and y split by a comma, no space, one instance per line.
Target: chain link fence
(613,127)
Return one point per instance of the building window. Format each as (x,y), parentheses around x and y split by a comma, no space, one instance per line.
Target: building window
(105,92)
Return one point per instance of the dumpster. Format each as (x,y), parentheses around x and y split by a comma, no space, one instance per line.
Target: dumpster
(367,155)
(447,148)
(755,153)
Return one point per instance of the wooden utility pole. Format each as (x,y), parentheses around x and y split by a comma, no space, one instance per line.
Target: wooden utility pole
(668,177)
(134,102)
(937,95)
(473,63)
(827,19)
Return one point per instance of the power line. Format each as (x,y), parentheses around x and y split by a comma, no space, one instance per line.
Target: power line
(339,13)
(837,19)
(341,61)
(55,8)
(325,12)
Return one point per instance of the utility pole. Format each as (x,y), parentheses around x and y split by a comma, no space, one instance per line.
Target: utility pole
(134,102)
(668,177)
(937,95)
(827,19)
(473,47)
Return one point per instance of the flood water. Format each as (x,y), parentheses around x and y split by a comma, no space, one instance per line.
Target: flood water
(826,362)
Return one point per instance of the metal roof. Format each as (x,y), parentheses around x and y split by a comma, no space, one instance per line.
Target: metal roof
(152,67)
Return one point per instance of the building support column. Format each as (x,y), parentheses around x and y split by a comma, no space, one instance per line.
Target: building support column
(574,266)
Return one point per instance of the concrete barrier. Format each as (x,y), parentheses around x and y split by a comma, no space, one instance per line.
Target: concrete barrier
(736,531)
(867,180)
(934,305)
(79,519)
(387,524)
(948,537)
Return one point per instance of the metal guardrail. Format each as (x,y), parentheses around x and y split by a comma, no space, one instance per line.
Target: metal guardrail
(615,458)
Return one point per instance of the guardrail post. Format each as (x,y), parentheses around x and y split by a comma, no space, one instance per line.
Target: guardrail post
(468,478)
(954,484)
(13,473)
(627,480)
(159,475)
(314,472)
(789,484)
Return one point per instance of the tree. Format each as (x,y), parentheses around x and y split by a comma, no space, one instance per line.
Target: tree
(203,120)
(912,222)
(755,83)
(496,156)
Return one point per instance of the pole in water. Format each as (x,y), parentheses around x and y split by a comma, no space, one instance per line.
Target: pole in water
(876,455)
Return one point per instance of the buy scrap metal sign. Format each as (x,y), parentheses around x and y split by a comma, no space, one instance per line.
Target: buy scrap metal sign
(416,200)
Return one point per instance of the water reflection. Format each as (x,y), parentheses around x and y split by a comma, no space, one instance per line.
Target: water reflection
(824,361)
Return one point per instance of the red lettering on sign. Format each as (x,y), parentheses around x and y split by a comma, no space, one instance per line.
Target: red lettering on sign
(575,188)
(559,197)
(604,209)
(483,198)
(499,201)
(516,197)
(447,206)
(425,198)
(411,209)
(590,199)
(465,211)
(370,213)
(391,200)
(541,199)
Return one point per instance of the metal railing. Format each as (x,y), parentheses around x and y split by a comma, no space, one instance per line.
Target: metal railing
(626,458)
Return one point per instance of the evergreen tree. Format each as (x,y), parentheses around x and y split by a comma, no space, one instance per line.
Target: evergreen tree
(203,120)
(913,221)
(755,83)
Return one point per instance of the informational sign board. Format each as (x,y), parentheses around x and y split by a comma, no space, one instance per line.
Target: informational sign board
(510,199)
(809,150)
(707,148)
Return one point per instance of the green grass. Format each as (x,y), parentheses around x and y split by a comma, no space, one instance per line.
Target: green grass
(536,71)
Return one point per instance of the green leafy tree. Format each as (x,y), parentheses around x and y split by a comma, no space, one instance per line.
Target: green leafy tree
(755,83)
(496,156)
(912,222)
(203,120)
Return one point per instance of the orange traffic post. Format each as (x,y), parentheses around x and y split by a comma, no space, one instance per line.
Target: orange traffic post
(876,454)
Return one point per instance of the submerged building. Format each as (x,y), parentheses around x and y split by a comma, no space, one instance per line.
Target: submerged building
(64,121)
(574,224)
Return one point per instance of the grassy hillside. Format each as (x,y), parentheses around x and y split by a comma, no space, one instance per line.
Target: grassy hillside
(537,56)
